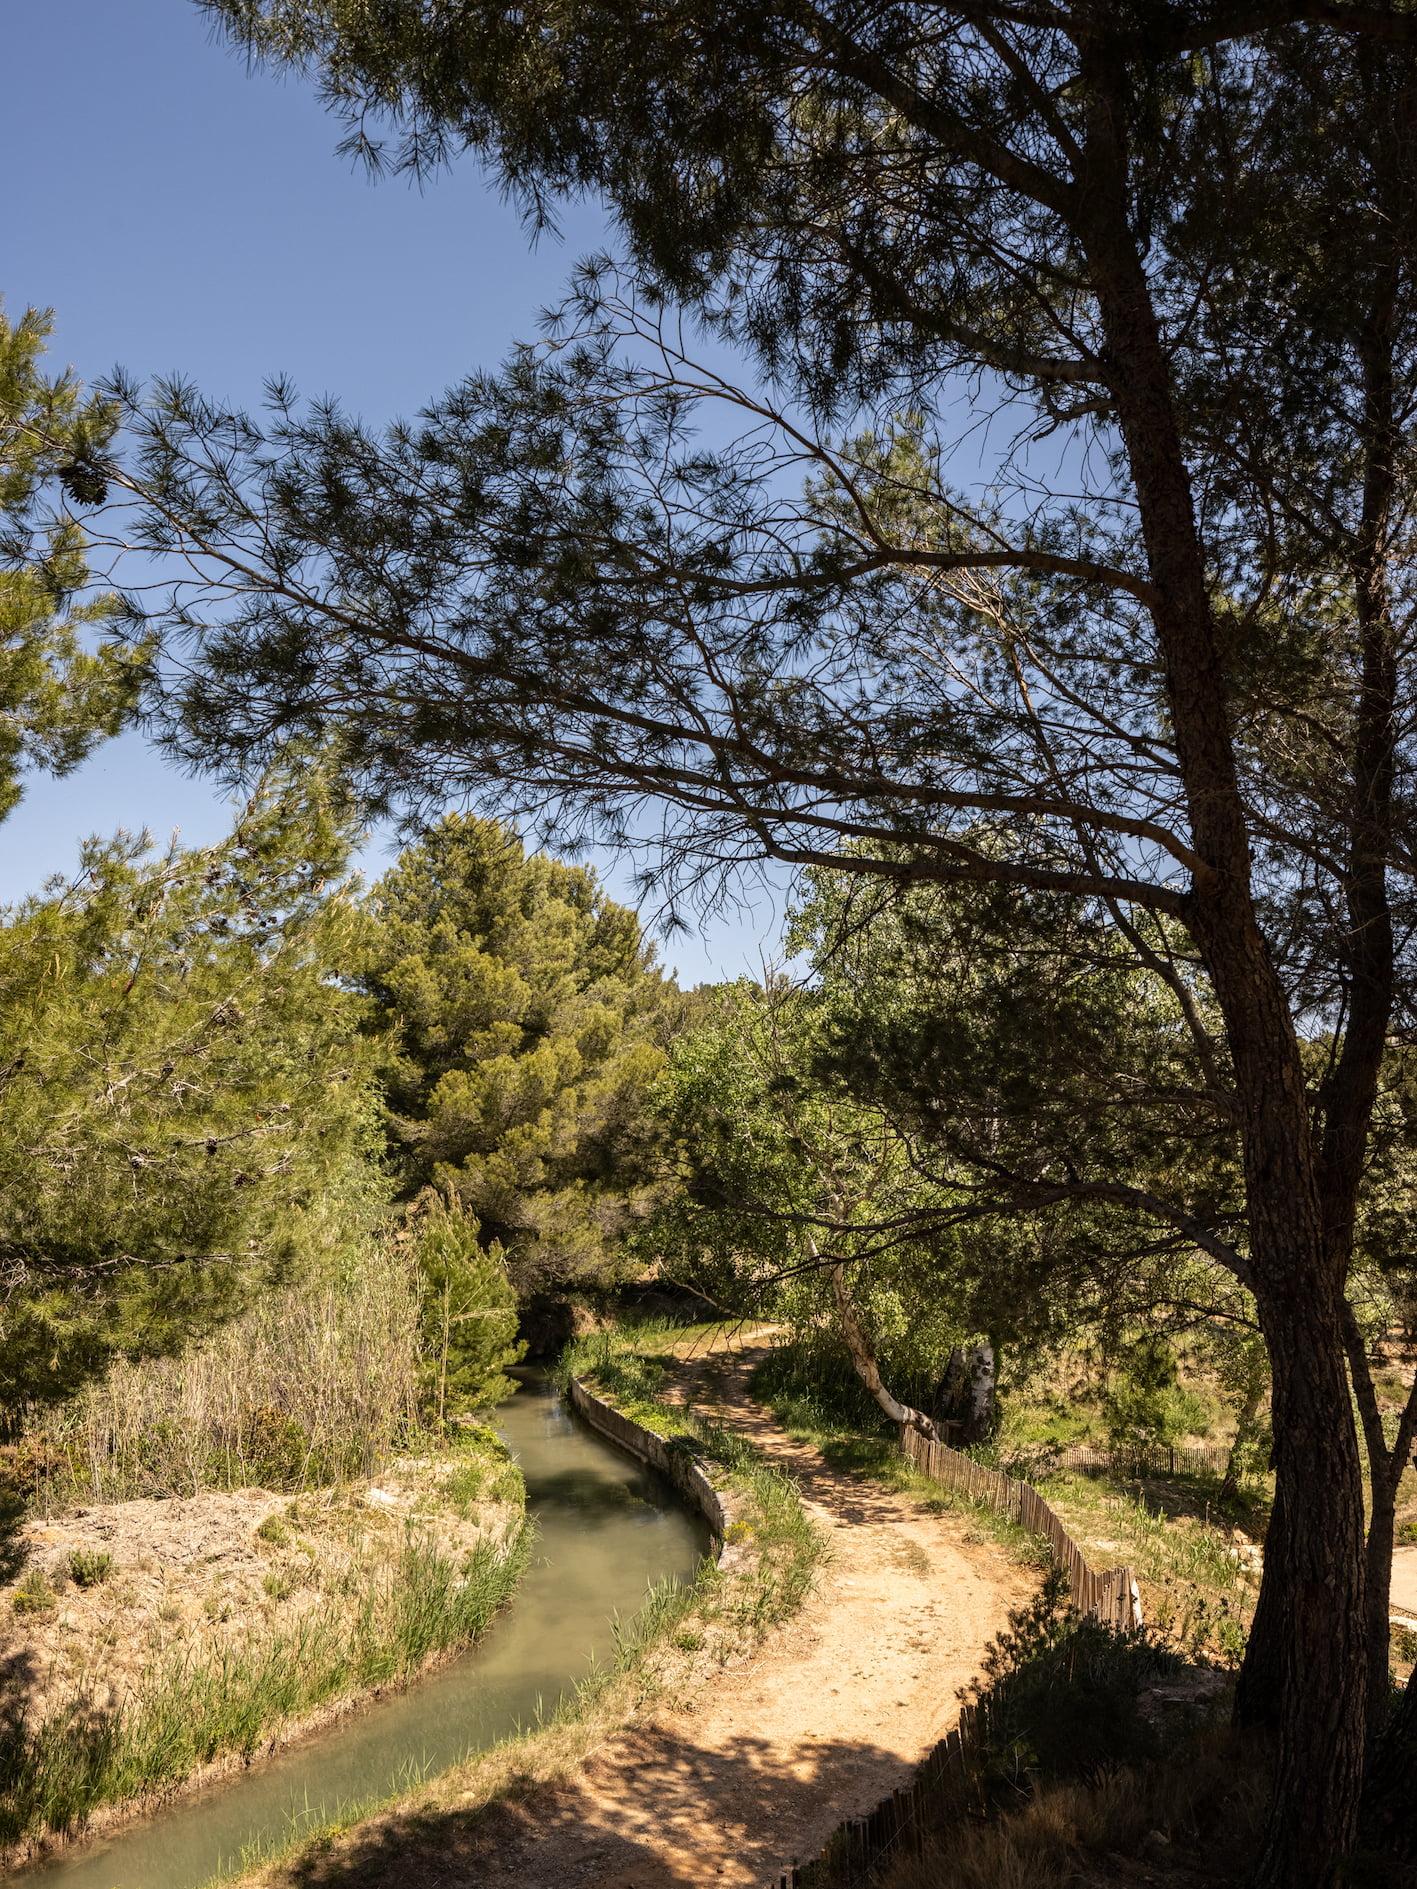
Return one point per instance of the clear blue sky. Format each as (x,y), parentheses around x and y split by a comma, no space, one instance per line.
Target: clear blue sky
(179,213)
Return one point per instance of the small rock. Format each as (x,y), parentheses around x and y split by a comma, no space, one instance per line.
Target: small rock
(1156,1846)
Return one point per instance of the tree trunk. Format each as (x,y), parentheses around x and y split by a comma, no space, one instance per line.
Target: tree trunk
(1390,1797)
(1316,1624)
(1377,1592)
(1261,1683)
(1313,1648)
(863,1357)
(968,1390)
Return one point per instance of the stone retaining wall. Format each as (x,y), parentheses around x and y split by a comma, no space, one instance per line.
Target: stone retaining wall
(717,1503)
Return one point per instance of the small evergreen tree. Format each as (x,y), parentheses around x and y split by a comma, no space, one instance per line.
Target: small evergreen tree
(523,1016)
(469,1317)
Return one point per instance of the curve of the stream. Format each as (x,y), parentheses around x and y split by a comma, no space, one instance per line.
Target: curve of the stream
(606,1530)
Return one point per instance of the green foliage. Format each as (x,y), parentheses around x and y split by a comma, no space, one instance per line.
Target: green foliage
(89,1567)
(468,1314)
(1063,1690)
(522,1015)
(67,679)
(188,1105)
(1139,1402)
(781,1165)
(34,1594)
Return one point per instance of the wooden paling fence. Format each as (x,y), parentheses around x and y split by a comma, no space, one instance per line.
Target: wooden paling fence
(1146,1459)
(1110,1596)
(948,1783)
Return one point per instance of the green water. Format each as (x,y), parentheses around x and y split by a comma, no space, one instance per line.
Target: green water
(606,1530)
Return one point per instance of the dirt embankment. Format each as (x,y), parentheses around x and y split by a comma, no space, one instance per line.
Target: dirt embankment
(756,1761)
(108,1595)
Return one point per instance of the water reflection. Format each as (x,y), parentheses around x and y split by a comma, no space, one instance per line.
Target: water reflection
(607,1529)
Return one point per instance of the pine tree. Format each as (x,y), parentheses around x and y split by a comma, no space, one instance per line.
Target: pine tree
(187,1096)
(469,1316)
(1172,247)
(67,677)
(523,1020)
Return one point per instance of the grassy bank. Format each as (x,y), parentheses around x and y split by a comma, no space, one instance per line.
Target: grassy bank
(628,1371)
(666,1651)
(339,1614)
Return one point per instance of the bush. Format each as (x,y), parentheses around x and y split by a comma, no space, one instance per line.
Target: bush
(35,1594)
(1061,1691)
(90,1567)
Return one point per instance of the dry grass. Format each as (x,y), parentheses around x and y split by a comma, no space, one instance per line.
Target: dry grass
(316,1384)
(1201,1811)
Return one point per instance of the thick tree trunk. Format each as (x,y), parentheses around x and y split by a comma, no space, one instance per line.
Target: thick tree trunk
(1315,1574)
(1261,1683)
(863,1357)
(1315,1560)
(1377,1593)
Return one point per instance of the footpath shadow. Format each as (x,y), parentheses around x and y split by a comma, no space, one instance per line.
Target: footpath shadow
(682,1817)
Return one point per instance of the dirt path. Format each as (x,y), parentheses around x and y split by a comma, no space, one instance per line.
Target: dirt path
(823,1719)
(1404,1583)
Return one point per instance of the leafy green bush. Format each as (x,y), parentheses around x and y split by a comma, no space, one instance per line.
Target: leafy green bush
(1062,1691)
(35,1594)
(90,1567)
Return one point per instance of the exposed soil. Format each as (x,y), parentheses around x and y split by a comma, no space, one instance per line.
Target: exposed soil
(196,1573)
(819,1721)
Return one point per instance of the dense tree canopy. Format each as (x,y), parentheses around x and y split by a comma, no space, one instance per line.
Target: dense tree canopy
(188,1102)
(525,1022)
(63,683)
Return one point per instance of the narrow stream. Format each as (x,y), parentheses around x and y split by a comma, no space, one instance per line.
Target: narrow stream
(607,1529)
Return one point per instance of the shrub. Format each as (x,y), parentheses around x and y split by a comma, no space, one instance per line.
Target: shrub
(1062,1690)
(35,1594)
(90,1567)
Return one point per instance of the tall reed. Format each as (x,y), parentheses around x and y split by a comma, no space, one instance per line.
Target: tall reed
(317,1382)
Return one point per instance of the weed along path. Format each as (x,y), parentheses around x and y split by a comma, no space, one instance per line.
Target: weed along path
(739,1768)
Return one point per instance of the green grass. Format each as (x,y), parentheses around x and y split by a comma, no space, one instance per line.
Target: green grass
(419,1604)
(788,1547)
(1195,1591)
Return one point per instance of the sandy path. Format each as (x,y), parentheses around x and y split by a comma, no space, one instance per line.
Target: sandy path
(1404,1582)
(823,1719)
